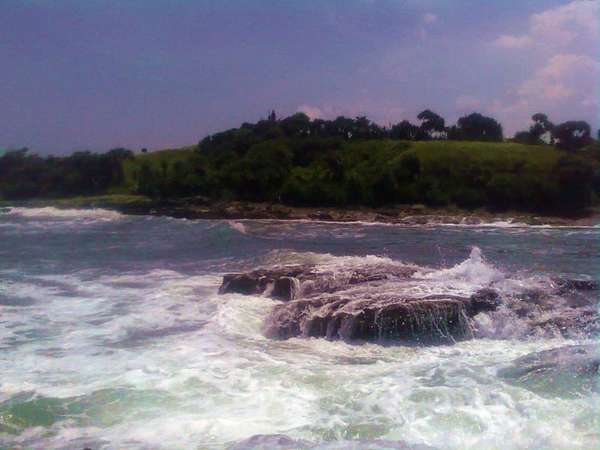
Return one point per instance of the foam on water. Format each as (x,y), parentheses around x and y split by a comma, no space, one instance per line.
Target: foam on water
(473,273)
(149,356)
(59,213)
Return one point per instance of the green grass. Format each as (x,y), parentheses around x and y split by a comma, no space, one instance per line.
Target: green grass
(504,154)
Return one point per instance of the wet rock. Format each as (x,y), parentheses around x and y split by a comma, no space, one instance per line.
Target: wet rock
(288,283)
(484,300)
(243,283)
(271,441)
(569,371)
(280,283)
(285,288)
(376,318)
(282,442)
(569,323)
(320,215)
(568,284)
(383,301)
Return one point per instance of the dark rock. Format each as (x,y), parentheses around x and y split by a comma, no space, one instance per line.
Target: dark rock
(370,444)
(243,283)
(377,302)
(282,442)
(484,300)
(570,371)
(285,288)
(570,323)
(320,215)
(376,318)
(566,284)
(271,441)
(292,282)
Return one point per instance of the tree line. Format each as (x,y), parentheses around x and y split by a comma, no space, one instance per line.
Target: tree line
(24,175)
(340,162)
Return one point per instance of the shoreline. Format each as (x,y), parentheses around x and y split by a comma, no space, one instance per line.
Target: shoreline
(411,215)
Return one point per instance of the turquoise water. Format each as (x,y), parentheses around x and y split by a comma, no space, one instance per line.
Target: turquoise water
(112,335)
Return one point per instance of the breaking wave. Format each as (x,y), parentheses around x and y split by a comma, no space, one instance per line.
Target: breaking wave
(64,214)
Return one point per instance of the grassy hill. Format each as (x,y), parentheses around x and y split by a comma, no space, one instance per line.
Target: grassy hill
(376,172)
(264,163)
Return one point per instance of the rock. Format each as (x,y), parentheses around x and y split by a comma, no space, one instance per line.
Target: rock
(285,288)
(377,318)
(380,302)
(271,441)
(243,283)
(570,371)
(282,442)
(569,323)
(567,284)
(281,281)
(484,300)
(320,215)
(287,283)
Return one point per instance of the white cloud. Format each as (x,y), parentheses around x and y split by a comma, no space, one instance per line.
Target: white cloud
(311,111)
(562,43)
(571,27)
(565,87)
(565,75)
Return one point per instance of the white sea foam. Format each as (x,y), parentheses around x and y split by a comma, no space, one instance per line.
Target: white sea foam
(159,360)
(475,270)
(238,226)
(59,213)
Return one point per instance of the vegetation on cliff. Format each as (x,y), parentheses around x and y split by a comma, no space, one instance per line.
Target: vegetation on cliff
(343,162)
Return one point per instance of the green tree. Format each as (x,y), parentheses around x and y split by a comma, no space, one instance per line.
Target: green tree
(432,125)
(477,127)
(404,130)
(572,135)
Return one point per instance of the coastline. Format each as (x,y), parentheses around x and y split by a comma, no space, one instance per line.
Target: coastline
(410,215)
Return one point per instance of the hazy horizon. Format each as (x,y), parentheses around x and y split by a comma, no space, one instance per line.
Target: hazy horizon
(159,74)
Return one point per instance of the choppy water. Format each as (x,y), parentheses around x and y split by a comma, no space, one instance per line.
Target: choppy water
(112,335)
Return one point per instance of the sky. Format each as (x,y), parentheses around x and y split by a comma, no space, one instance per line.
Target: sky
(98,74)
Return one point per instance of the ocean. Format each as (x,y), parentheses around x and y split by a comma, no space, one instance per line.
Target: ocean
(113,336)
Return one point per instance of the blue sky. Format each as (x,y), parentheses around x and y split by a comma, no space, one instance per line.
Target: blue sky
(151,73)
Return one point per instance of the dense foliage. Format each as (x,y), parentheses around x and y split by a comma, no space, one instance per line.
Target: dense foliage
(23,175)
(341,162)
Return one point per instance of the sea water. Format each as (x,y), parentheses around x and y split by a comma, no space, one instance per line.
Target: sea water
(113,336)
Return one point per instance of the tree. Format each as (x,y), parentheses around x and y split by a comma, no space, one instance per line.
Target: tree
(523,137)
(343,126)
(362,127)
(541,127)
(477,127)
(296,125)
(404,130)
(572,135)
(432,124)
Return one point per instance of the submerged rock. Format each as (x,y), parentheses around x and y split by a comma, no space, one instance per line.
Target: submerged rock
(385,301)
(289,283)
(484,300)
(358,303)
(280,283)
(375,318)
(570,371)
(270,441)
(283,442)
(571,284)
